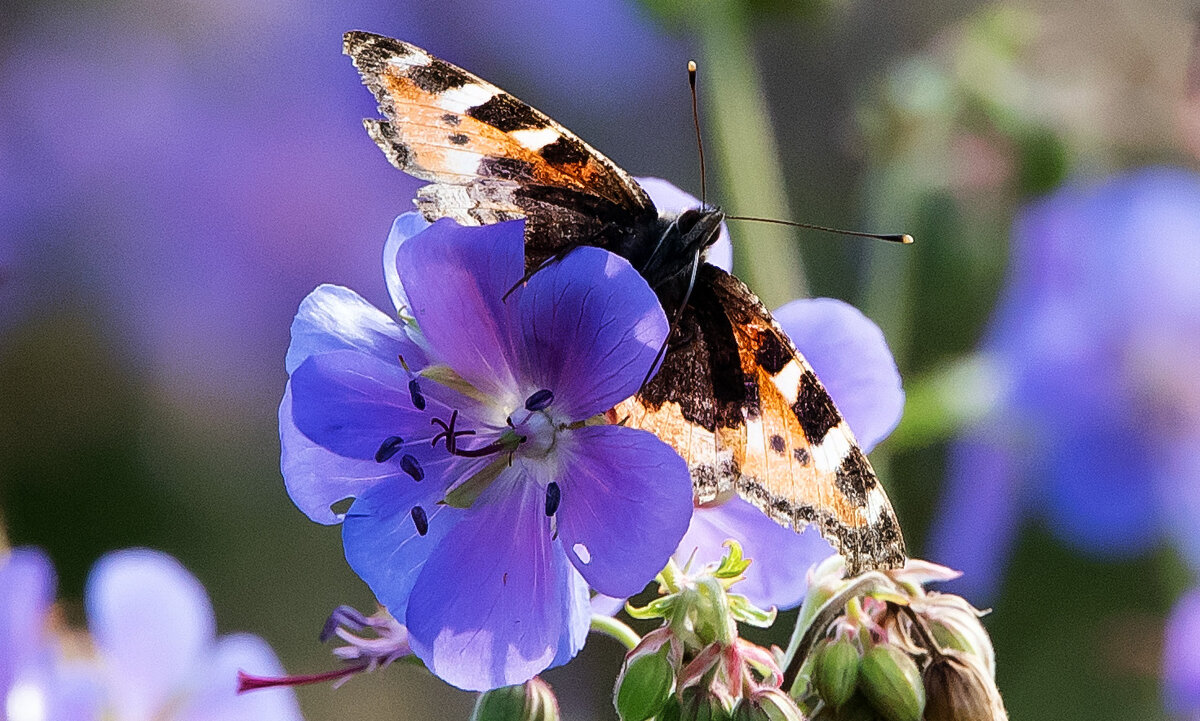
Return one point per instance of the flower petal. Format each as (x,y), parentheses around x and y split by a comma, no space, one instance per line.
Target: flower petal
(404,227)
(591,328)
(216,698)
(779,575)
(1181,656)
(852,359)
(350,402)
(382,543)
(671,200)
(336,318)
(152,622)
(494,608)
(456,278)
(316,478)
(26,593)
(626,502)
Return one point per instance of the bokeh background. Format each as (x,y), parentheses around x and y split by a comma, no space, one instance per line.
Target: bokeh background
(175,176)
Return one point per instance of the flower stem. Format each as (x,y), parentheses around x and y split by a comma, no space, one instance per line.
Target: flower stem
(752,180)
(613,628)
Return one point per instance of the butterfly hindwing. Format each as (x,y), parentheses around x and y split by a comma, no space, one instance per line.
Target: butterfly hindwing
(753,418)
(488,156)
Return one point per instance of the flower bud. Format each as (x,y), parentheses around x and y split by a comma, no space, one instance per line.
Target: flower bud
(836,671)
(531,701)
(646,683)
(769,704)
(700,704)
(959,689)
(891,681)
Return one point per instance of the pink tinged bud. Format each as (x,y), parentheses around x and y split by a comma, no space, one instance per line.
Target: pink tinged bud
(646,683)
(891,681)
(768,705)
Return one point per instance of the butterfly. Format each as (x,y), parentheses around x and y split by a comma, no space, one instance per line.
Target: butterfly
(732,396)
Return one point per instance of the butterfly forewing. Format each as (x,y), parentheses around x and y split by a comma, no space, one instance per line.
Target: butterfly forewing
(488,156)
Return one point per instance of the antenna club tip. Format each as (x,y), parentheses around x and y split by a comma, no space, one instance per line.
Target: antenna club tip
(906,239)
(691,66)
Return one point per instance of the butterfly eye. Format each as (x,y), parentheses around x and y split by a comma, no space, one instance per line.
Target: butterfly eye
(687,220)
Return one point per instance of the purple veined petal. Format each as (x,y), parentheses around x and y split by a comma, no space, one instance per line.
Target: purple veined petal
(455,279)
(316,477)
(350,403)
(151,621)
(978,515)
(381,541)
(1181,656)
(626,502)
(590,329)
(215,697)
(494,608)
(27,585)
(404,227)
(851,357)
(335,318)
(779,575)
(671,200)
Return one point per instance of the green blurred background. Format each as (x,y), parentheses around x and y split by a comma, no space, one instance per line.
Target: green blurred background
(177,175)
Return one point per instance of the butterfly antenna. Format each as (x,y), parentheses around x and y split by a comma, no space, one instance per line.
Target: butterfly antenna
(904,238)
(696,122)
(675,317)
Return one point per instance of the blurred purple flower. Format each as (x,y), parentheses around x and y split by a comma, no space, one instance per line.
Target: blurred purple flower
(484,505)
(850,355)
(156,652)
(1181,656)
(1096,336)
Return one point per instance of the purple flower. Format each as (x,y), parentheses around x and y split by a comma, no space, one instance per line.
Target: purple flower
(157,656)
(486,497)
(1181,656)
(1096,338)
(850,355)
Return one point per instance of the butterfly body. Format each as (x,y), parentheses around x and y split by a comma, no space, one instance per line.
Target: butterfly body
(733,396)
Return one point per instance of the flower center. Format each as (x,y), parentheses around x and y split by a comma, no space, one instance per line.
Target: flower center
(539,431)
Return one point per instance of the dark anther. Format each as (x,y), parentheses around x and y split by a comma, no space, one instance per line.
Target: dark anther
(539,400)
(414,390)
(342,616)
(553,497)
(388,448)
(420,520)
(449,432)
(411,467)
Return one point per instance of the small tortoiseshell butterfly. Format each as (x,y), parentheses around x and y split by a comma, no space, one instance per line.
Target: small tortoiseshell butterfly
(733,396)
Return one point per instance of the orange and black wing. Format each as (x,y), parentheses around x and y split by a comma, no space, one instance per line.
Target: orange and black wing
(746,411)
(490,157)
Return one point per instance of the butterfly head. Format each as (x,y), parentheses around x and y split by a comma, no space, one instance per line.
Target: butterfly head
(679,245)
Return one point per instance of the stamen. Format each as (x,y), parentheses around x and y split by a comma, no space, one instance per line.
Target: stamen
(343,616)
(420,520)
(388,448)
(539,400)
(414,391)
(410,466)
(553,497)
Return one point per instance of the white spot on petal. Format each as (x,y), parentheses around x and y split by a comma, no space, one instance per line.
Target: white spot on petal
(582,552)
(25,702)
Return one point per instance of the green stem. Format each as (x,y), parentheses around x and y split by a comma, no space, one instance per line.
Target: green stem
(752,180)
(613,628)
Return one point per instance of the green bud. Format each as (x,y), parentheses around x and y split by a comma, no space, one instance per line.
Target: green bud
(891,681)
(646,683)
(699,704)
(767,705)
(856,709)
(531,701)
(835,672)
(959,689)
